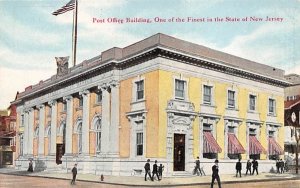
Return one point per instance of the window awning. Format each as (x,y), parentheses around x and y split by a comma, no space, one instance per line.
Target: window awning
(255,146)
(274,147)
(234,145)
(210,144)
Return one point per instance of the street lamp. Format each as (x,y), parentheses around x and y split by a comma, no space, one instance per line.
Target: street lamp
(293,117)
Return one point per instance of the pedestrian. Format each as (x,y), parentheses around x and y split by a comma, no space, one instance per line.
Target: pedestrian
(215,174)
(281,166)
(74,173)
(248,167)
(160,170)
(30,167)
(255,166)
(238,168)
(197,169)
(277,165)
(147,169)
(155,171)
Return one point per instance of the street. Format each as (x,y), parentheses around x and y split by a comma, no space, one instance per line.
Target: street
(11,181)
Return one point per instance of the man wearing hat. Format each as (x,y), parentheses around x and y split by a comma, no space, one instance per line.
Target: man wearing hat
(147,170)
(154,171)
(215,174)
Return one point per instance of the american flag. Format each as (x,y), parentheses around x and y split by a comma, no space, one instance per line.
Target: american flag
(69,6)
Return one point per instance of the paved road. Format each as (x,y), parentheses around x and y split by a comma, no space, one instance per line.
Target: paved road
(11,181)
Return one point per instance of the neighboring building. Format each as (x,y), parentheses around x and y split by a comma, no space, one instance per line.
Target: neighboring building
(160,98)
(291,105)
(8,136)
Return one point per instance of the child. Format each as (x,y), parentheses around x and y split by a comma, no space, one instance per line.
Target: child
(160,170)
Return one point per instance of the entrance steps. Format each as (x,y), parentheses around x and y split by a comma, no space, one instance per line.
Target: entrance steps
(182,174)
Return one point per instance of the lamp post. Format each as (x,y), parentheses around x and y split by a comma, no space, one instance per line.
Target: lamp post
(293,117)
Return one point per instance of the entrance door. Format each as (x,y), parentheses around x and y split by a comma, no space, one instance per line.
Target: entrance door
(179,152)
(60,151)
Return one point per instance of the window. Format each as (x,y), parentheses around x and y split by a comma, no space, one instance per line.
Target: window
(179,89)
(49,111)
(252,131)
(139,144)
(252,102)
(98,98)
(36,132)
(80,101)
(98,135)
(64,106)
(207,94)
(22,120)
(231,99)
(79,131)
(272,106)
(207,127)
(49,140)
(21,144)
(230,129)
(140,90)
(271,134)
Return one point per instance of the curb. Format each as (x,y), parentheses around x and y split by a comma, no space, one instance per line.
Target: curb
(163,185)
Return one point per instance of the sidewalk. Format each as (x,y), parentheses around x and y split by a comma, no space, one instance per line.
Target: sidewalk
(139,180)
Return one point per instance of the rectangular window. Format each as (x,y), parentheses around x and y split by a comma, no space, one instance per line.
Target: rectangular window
(207,94)
(140,90)
(271,106)
(80,101)
(64,106)
(252,102)
(98,98)
(139,144)
(231,129)
(271,134)
(231,99)
(98,141)
(179,89)
(207,127)
(22,120)
(49,111)
(252,132)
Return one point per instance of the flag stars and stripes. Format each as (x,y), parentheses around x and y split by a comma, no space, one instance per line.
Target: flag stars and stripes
(69,6)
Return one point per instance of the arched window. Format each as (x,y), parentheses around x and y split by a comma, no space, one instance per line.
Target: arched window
(79,131)
(98,126)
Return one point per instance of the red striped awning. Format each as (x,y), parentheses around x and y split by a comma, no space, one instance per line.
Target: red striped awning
(234,145)
(210,144)
(255,146)
(274,147)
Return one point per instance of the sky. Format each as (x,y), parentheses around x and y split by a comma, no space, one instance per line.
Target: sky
(31,37)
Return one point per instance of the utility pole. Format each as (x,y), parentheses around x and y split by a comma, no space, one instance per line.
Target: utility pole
(297,137)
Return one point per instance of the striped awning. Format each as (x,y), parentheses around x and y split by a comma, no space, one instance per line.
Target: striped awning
(274,147)
(255,146)
(234,145)
(210,144)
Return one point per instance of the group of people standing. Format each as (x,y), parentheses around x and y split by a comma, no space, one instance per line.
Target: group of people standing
(156,170)
(280,166)
(253,164)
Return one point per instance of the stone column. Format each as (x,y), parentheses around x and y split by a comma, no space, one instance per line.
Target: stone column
(30,132)
(53,105)
(69,123)
(25,140)
(85,122)
(41,129)
(105,145)
(114,119)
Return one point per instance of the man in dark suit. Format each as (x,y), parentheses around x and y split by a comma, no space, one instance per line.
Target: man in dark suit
(215,174)
(248,167)
(277,166)
(255,166)
(238,168)
(155,171)
(147,170)
(74,173)
(197,167)
(281,164)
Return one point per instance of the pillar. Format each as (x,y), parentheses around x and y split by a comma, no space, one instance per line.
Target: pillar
(41,129)
(53,105)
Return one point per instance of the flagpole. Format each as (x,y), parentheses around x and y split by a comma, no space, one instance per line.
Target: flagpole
(74,45)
